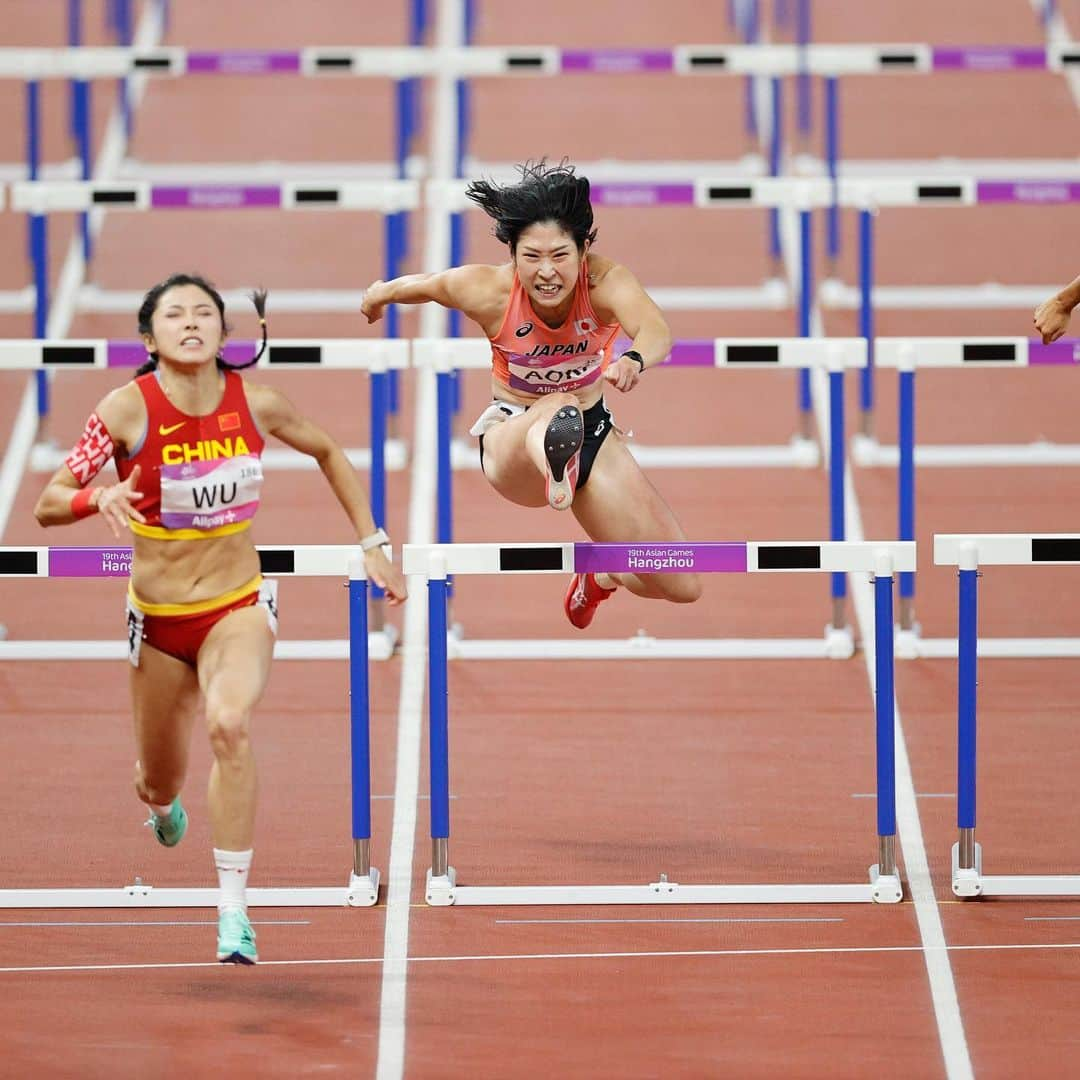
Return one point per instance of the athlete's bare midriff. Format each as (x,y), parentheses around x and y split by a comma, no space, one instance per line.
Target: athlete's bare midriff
(188,571)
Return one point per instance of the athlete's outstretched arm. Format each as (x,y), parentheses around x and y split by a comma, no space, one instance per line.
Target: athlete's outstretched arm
(621,293)
(469,289)
(68,496)
(1051,317)
(277,415)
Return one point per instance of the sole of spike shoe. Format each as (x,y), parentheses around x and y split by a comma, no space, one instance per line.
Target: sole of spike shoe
(563,440)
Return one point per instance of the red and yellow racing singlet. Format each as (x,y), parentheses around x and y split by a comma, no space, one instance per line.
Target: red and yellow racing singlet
(532,358)
(201,475)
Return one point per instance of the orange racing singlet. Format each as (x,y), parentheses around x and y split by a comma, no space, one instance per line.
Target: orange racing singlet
(533,358)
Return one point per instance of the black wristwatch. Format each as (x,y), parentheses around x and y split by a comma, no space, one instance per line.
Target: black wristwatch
(635,355)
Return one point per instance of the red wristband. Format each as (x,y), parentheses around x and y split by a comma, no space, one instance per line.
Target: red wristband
(81,506)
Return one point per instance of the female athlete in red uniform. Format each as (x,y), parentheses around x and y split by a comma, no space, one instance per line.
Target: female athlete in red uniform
(187,434)
(552,314)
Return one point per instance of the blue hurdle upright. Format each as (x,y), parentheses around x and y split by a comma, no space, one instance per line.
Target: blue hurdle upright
(276,561)
(968,553)
(438,561)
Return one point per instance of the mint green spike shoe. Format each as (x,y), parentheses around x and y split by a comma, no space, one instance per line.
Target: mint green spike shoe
(170,830)
(235,939)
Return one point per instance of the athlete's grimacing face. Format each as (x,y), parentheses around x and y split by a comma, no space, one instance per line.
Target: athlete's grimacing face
(547,262)
(186,326)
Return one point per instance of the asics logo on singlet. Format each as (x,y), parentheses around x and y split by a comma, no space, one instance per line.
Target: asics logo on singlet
(163,430)
(524,330)
(599,429)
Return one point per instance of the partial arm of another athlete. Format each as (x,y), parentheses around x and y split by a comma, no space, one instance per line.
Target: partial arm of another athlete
(1051,317)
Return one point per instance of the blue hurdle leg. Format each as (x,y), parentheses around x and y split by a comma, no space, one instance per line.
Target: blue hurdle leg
(866,317)
(379,402)
(832,157)
(444,476)
(836,488)
(906,438)
(885,718)
(966,715)
(438,727)
(802,40)
(806,302)
(83,142)
(359,721)
(39,246)
(775,151)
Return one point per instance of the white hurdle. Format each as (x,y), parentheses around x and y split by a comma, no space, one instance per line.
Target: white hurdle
(276,561)
(968,553)
(438,561)
(375,356)
(907,355)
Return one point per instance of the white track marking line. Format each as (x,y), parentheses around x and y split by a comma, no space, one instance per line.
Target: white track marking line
(918,795)
(853,950)
(179,922)
(390,1060)
(620,922)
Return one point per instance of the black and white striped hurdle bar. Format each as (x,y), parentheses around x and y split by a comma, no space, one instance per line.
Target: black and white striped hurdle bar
(1006,549)
(450,354)
(342,354)
(92,562)
(408,62)
(385,196)
(907,354)
(839,556)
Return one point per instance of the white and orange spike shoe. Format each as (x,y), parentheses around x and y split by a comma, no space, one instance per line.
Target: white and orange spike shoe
(563,440)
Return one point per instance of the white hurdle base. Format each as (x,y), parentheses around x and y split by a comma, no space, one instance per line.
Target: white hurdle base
(836,644)
(799,453)
(868,452)
(361,892)
(381,644)
(47,457)
(443,891)
(972,882)
(908,645)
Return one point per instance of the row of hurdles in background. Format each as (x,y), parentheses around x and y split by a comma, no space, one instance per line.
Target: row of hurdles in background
(876,560)
(393,199)
(458,61)
(828,357)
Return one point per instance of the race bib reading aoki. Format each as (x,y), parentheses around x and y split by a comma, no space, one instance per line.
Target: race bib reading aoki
(209,494)
(549,373)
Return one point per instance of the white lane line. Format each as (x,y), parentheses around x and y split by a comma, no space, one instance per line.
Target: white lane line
(853,950)
(1052,918)
(390,1059)
(954,1048)
(620,922)
(183,922)
(918,795)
